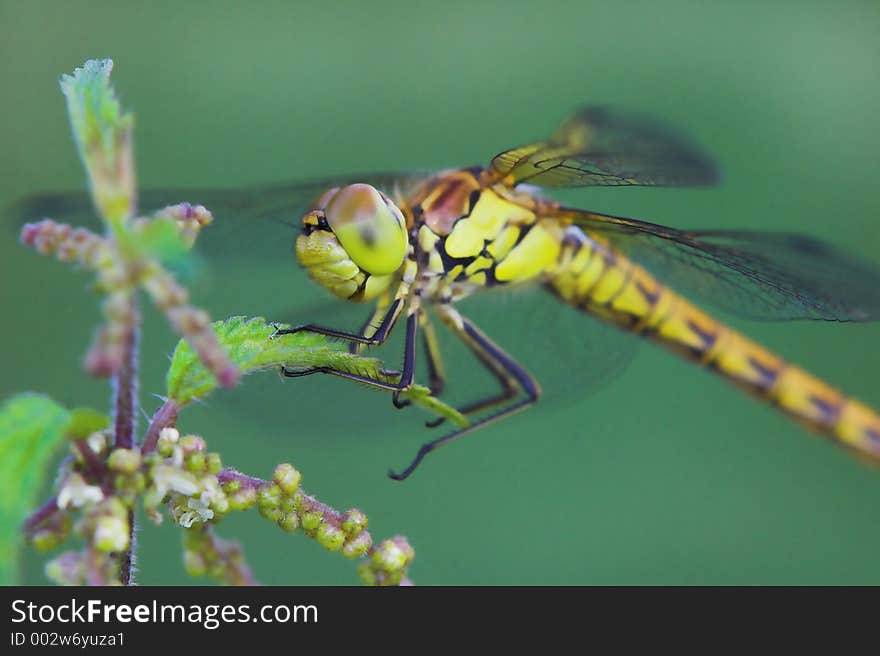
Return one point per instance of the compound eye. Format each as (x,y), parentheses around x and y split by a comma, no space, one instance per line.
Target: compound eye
(369,227)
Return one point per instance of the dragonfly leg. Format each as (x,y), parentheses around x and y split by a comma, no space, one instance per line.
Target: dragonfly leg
(371,337)
(381,333)
(436,374)
(432,355)
(372,323)
(509,389)
(489,352)
(376,339)
(407,374)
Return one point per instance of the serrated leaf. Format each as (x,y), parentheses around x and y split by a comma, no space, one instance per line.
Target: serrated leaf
(94,111)
(31,428)
(102,132)
(252,345)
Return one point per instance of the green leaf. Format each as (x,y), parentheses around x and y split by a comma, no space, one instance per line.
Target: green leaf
(31,427)
(252,345)
(103,135)
(85,421)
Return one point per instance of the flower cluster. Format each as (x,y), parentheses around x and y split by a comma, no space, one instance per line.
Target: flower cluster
(101,487)
(388,563)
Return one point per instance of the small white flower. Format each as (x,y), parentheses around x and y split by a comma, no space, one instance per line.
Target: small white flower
(198,511)
(187,519)
(97,441)
(169,434)
(211,492)
(171,479)
(76,493)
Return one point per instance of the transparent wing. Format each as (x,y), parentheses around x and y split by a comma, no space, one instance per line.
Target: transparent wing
(607,147)
(571,354)
(249,221)
(771,276)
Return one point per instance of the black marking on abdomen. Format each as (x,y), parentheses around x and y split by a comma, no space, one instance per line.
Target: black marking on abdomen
(708,338)
(829,410)
(652,297)
(768,375)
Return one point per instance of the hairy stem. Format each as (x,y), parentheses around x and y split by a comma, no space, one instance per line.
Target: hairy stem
(125,386)
(228,475)
(125,407)
(330,514)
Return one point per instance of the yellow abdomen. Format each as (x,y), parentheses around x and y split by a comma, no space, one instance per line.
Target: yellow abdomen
(600,281)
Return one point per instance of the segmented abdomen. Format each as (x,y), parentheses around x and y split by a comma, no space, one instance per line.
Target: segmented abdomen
(600,281)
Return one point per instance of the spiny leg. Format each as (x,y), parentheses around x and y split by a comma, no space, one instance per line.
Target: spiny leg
(484,347)
(509,390)
(406,376)
(378,337)
(401,296)
(372,323)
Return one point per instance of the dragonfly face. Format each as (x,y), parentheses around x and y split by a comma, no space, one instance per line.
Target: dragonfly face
(353,242)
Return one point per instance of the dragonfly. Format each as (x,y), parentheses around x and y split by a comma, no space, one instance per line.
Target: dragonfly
(406,243)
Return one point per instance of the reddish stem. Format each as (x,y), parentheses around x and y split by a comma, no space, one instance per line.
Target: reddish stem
(125,390)
(94,467)
(40,515)
(310,503)
(164,417)
(228,475)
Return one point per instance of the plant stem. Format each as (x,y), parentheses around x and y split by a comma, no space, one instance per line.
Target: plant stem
(164,417)
(40,515)
(95,468)
(330,514)
(125,385)
(125,390)
(228,475)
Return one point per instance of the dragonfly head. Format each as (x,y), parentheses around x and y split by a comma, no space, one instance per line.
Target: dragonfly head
(353,242)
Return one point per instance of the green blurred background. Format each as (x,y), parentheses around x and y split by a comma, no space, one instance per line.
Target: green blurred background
(664,476)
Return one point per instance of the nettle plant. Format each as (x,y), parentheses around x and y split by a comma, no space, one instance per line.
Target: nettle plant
(109,470)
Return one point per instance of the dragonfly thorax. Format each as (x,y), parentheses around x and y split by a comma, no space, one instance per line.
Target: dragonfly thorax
(353,242)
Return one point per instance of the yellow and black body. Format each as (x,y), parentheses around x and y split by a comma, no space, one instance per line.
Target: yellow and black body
(462,231)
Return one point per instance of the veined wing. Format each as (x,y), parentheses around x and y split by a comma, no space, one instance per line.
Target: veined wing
(606,147)
(238,212)
(572,355)
(772,276)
